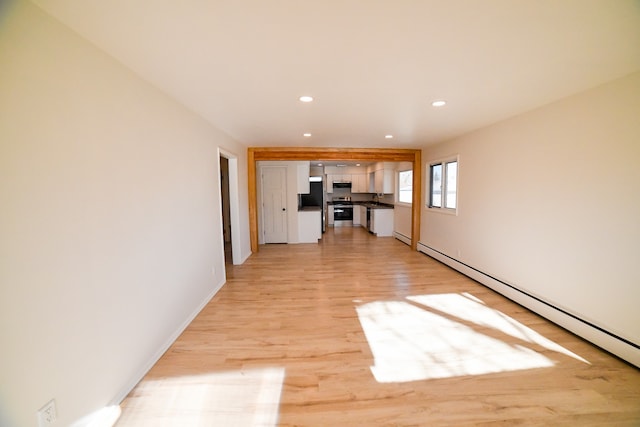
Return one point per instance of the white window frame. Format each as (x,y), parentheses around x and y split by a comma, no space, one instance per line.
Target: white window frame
(398,188)
(443,162)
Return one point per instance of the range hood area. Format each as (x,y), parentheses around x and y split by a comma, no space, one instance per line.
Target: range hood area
(342,184)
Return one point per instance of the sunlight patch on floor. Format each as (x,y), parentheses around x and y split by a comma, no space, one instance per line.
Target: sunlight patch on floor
(467,307)
(411,343)
(238,398)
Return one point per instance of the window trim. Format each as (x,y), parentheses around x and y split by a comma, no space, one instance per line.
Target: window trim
(398,187)
(428,184)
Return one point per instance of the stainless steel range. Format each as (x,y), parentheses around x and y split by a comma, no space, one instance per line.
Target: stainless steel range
(342,212)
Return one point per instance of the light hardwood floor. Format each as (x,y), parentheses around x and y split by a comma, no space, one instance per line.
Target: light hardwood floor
(284,340)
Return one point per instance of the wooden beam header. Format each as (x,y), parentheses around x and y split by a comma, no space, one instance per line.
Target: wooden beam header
(327,154)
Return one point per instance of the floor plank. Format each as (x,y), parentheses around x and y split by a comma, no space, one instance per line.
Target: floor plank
(283,343)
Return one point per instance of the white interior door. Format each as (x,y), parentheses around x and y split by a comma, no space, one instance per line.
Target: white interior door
(274,200)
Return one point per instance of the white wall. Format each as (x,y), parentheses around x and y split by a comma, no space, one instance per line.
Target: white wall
(549,202)
(402,212)
(110,220)
(402,221)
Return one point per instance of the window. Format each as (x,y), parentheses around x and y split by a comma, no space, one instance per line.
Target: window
(405,186)
(443,184)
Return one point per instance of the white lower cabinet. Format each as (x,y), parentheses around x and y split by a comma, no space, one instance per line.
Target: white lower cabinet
(309,226)
(357,219)
(382,222)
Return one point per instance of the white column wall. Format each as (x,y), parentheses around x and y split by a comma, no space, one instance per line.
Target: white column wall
(110,220)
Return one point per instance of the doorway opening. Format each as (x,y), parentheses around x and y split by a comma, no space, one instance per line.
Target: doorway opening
(256,154)
(230,209)
(226,211)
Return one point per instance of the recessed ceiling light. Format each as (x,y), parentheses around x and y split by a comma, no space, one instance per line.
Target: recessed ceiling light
(357,164)
(389,136)
(439,103)
(306,135)
(306,98)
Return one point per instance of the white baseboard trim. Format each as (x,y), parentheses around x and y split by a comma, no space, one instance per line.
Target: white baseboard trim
(404,239)
(170,340)
(595,334)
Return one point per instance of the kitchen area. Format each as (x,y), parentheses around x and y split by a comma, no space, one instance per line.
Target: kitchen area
(300,201)
(352,196)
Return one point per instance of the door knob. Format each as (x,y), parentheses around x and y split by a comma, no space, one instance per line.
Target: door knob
(284,209)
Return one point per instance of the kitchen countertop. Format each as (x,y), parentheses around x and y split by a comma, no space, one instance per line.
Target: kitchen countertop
(372,205)
(309,208)
(375,205)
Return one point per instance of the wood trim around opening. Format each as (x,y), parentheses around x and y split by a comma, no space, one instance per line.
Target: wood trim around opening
(256,154)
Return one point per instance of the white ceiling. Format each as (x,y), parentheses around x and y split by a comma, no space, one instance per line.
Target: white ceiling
(373,66)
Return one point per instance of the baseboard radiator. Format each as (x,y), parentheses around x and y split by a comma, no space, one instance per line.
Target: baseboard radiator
(619,346)
(404,239)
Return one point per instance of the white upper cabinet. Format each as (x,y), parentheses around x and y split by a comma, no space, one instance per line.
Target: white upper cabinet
(341,177)
(360,183)
(383,179)
(303,169)
(329,183)
(375,178)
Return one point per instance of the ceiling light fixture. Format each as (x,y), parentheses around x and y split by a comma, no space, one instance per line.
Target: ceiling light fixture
(389,136)
(306,98)
(306,135)
(439,103)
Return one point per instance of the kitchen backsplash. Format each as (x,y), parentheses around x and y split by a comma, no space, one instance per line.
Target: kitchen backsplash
(359,197)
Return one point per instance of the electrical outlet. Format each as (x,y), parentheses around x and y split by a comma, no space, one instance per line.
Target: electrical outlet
(47,415)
